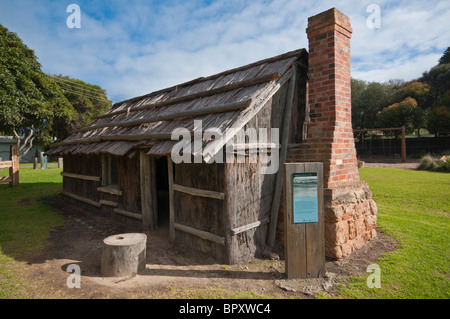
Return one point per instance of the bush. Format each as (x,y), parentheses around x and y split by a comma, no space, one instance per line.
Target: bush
(430,163)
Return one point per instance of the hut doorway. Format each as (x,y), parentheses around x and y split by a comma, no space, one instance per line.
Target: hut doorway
(162,191)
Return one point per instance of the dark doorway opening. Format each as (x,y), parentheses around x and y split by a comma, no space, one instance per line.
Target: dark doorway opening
(162,188)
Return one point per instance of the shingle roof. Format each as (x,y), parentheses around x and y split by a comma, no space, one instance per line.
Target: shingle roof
(227,100)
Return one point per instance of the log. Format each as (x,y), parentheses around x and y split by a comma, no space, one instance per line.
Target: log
(198,192)
(170,116)
(80,176)
(124,255)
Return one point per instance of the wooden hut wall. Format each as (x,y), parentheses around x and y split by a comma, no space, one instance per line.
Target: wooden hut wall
(79,169)
(249,192)
(201,213)
(129,183)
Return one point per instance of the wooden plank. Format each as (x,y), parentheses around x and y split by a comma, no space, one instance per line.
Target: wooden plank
(110,190)
(294,234)
(128,214)
(282,159)
(315,232)
(200,233)
(171,204)
(5,179)
(198,192)
(304,242)
(244,228)
(6,164)
(108,203)
(146,164)
(171,116)
(190,97)
(81,199)
(80,176)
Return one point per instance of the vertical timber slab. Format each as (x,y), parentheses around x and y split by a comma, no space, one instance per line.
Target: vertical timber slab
(171,194)
(147,199)
(304,241)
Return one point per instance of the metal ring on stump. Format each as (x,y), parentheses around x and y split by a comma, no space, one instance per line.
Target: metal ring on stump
(124,255)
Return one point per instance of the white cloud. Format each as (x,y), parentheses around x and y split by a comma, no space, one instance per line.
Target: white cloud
(135,48)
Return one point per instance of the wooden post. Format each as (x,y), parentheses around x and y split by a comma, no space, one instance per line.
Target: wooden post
(403,145)
(304,241)
(60,162)
(146,176)
(14,169)
(42,160)
(35,164)
(171,194)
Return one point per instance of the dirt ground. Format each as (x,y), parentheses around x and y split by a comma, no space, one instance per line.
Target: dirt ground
(172,271)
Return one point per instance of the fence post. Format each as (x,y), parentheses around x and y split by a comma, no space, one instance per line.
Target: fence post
(42,160)
(403,145)
(60,162)
(35,163)
(14,169)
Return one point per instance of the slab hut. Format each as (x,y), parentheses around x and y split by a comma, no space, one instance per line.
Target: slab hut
(122,164)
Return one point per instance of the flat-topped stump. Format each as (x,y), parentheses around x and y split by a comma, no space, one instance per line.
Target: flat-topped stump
(123,255)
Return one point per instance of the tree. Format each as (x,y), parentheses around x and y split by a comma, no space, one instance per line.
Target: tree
(88,101)
(29,99)
(405,113)
(445,58)
(367,100)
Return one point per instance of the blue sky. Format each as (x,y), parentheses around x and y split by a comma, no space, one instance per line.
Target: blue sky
(132,48)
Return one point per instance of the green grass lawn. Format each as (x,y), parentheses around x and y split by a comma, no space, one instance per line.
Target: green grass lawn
(413,207)
(25,222)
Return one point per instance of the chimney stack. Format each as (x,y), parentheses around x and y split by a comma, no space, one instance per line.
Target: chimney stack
(350,213)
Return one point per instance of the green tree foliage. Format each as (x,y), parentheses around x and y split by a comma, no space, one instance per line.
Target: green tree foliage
(29,99)
(421,103)
(445,58)
(367,100)
(88,101)
(405,113)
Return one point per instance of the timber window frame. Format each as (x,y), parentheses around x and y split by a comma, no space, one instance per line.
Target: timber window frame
(110,170)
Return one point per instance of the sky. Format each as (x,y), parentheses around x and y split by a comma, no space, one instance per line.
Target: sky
(131,48)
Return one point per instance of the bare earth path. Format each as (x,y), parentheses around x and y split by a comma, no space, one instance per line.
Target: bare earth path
(171,270)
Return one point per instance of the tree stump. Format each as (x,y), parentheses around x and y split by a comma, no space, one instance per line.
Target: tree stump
(123,255)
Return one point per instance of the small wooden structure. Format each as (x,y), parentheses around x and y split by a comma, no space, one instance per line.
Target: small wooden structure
(13,165)
(126,163)
(121,164)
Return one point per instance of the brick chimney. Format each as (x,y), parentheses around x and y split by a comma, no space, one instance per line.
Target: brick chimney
(350,213)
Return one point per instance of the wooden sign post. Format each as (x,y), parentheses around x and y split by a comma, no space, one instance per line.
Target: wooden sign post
(303,220)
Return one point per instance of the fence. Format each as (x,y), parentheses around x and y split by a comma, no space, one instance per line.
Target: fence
(13,165)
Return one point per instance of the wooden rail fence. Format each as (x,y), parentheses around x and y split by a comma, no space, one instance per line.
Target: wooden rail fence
(13,165)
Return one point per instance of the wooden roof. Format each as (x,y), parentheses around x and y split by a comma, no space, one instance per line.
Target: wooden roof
(225,101)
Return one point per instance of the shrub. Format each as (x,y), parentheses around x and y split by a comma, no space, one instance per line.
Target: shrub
(430,163)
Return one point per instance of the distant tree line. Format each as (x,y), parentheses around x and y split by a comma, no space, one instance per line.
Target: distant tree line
(422,103)
(38,108)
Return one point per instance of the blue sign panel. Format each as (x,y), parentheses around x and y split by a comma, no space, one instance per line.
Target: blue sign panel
(306,209)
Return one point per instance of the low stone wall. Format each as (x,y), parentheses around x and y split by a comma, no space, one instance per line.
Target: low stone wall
(350,221)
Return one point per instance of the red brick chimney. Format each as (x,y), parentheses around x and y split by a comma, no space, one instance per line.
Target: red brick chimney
(350,213)
(330,134)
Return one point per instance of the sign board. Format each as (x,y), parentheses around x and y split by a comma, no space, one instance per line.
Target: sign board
(303,220)
(304,189)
